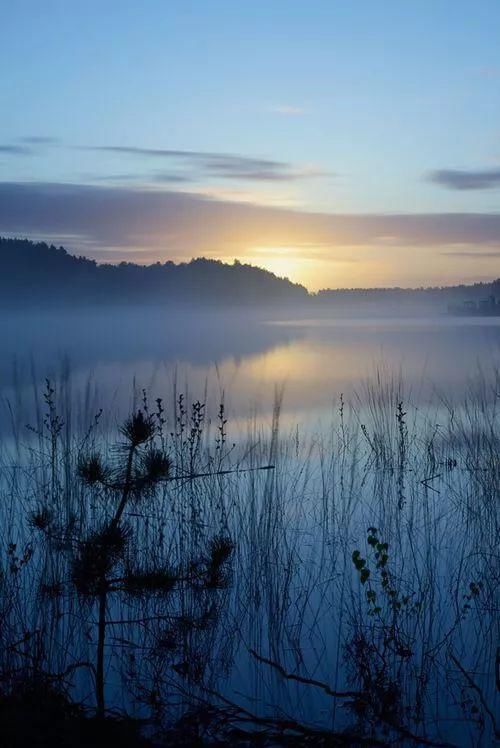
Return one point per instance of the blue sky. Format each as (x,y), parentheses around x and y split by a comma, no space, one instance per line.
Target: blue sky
(353,108)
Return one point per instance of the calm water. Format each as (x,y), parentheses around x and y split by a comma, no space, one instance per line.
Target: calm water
(295,594)
(243,357)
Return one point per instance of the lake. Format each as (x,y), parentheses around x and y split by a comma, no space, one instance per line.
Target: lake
(243,357)
(364,560)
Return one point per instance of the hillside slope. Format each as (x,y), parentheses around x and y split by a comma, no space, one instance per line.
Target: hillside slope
(36,273)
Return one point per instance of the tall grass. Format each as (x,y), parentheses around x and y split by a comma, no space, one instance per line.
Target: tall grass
(361,602)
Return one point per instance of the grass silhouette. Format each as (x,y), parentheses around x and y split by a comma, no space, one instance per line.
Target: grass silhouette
(340,588)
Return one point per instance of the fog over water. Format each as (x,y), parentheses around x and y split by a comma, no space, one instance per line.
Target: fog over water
(249,374)
(242,356)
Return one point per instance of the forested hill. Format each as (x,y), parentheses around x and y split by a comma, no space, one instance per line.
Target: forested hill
(41,275)
(36,273)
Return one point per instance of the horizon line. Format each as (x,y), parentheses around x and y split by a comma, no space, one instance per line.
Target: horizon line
(237,261)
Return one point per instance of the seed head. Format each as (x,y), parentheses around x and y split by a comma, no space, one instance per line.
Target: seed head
(138,429)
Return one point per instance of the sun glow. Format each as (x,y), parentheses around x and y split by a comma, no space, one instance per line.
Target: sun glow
(284,262)
(311,265)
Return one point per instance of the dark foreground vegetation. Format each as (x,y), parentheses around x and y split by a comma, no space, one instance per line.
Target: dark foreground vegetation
(161,585)
(42,275)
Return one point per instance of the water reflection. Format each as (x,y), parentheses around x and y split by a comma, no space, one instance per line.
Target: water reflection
(243,356)
(296,594)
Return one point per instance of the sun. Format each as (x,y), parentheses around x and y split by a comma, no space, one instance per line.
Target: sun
(282,261)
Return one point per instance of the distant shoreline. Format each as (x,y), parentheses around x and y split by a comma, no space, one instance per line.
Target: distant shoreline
(45,276)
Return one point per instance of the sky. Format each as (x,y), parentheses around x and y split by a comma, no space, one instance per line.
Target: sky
(341,144)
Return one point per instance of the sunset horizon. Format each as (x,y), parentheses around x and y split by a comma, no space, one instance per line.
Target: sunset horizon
(326,157)
(250,373)
(281,265)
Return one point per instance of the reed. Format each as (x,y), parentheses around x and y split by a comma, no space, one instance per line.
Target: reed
(264,585)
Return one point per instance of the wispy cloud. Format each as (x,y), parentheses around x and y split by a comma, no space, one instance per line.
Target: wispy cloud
(462,179)
(27,146)
(175,223)
(169,178)
(473,255)
(15,150)
(221,165)
(142,179)
(39,140)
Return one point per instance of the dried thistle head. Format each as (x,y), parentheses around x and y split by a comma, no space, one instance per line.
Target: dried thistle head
(91,469)
(159,581)
(221,549)
(138,428)
(41,519)
(216,575)
(97,556)
(156,465)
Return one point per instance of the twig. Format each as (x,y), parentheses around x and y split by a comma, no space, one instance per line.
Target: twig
(308,681)
(476,688)
(345,694)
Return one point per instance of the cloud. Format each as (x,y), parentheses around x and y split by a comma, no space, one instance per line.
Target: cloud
(170,178)
(459,179)
(182,225)
(31,146)
(39,140)
(118,178)
(473,255)
(141,179)
(15,150)
(221,165)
